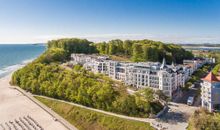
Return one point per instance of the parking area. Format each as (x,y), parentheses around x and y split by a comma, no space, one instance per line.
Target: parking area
(194,91)
(177,116)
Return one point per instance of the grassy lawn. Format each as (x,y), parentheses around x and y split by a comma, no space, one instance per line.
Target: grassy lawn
(85,119)
(120,58)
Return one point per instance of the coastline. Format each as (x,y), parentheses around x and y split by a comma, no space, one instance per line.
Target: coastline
(9,70)
(15,105)
(15,56)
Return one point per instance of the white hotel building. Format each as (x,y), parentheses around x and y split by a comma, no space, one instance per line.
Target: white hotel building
(167,78)
(149,74)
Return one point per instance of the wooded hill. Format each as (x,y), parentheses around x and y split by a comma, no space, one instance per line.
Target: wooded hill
(135,50)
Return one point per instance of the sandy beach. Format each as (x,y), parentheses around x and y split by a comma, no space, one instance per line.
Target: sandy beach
(14,106)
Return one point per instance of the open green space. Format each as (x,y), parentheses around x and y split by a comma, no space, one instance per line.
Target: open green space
(85,119)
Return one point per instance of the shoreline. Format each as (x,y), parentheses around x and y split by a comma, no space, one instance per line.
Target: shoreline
(9,70)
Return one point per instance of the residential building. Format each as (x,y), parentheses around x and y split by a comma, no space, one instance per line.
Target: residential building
(196,63)
(210,92)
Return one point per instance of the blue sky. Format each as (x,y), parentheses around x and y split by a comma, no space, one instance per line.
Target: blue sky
(178,21)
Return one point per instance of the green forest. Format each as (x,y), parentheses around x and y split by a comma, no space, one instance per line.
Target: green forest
(73,45)
(144,50)
(135,50)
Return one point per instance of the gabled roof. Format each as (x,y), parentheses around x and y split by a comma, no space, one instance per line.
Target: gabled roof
(211,78)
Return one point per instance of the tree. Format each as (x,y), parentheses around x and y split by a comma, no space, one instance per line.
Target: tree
(112,49)
(127,46)
(153,53)
(137,52)
(73,45)
(77,68)
(125,105)
(202,120)
(53,55)
(146,52)
(148,94)
(161,95)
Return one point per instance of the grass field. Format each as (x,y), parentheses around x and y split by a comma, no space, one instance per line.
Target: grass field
(85,119)
(120,58)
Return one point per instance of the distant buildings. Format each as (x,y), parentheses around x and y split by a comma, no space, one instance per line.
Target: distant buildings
(167,78)
(196,63)
(210,92)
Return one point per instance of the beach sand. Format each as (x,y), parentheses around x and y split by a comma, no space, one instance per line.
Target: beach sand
(14,104)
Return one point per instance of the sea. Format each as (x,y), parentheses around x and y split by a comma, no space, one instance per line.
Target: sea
(14,56)
(202,48)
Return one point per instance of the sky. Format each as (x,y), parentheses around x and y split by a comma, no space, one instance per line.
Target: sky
(176,21)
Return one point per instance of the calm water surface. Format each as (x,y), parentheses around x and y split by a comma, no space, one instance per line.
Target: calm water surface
(15,55)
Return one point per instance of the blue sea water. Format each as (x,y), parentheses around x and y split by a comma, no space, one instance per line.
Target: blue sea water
(13,56)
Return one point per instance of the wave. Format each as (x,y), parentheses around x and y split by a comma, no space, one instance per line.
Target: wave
(27,61)
(9,69)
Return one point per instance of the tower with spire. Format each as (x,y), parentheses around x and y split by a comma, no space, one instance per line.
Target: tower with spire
(163,65)
(173,65)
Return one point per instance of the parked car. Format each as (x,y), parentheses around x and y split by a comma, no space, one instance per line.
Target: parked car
(190,100)
(193,86)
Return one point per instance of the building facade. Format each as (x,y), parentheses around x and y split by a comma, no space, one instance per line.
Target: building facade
(210,92)
(158,76)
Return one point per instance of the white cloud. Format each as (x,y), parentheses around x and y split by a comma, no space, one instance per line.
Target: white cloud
(107,37)
(93,37)
(164,38)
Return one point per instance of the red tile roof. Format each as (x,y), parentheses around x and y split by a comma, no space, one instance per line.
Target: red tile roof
(218,77)
(211,78)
